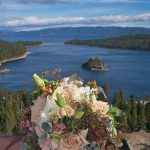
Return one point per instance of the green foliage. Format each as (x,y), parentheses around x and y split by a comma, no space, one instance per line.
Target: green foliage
(12,106)
(136,42)
(141,115)
(115,112)
(60,101)
(133,112)
(147,114)
(56,136)
(9,50)
(78,115)
(29,43)
(137,115)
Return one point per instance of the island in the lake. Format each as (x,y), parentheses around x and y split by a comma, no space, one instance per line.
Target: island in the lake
(132,42)
(10,51)
(95,64)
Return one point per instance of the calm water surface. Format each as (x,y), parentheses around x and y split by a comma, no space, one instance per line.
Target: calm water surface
(128,70)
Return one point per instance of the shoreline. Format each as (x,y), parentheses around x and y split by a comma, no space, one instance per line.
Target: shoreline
(12,59)
(16,58)
(34,45)
(4,70)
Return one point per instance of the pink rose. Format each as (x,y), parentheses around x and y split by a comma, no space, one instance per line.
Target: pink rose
(26,124)
(75,142)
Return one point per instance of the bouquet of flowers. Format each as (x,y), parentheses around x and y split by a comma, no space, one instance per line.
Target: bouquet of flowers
(69,116)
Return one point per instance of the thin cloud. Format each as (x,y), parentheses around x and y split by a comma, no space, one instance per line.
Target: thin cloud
(68,1)
(32,21)
(36,1)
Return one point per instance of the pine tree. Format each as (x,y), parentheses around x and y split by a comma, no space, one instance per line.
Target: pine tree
(141,115)
(119,100)
(147,115)
(133,113)
(116,100)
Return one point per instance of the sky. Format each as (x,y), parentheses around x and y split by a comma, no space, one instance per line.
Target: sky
(38,14)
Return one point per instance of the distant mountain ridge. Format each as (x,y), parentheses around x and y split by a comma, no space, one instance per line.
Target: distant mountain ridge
(77,32)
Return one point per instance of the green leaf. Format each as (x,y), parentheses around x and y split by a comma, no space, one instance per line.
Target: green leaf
(35,92)
(60,101)
(78,115)
(46,81)
(56,136)
(115,112)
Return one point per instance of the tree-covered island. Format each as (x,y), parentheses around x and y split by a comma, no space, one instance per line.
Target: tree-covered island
(94,63)
(132,42)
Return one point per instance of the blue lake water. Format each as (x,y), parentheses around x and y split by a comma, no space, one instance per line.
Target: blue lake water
(128,70)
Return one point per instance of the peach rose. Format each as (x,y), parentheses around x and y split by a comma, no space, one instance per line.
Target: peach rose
(103,107)
(39,131)
(75,142)
(46,145)
(67,111)
(36,110)
(63,93)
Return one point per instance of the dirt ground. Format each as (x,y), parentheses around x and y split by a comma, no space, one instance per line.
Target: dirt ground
(138,140)
(10,142)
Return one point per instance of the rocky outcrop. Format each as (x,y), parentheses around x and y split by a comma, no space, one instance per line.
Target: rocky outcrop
(137,141)
(95,64)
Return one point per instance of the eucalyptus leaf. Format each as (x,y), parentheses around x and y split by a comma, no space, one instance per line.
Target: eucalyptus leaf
(60,101)
(46,126)
(56,136)
(42,138)
(35,92)
(79,115)
(45,80)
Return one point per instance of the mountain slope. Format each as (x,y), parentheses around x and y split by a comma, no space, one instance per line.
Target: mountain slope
(78,32)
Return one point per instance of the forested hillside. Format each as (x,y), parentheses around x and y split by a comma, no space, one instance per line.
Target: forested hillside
(12,105)
(29,43)
(137,111)
(9,50)
(135,42)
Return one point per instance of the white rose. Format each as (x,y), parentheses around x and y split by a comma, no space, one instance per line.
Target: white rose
(50,106)
(36,109)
